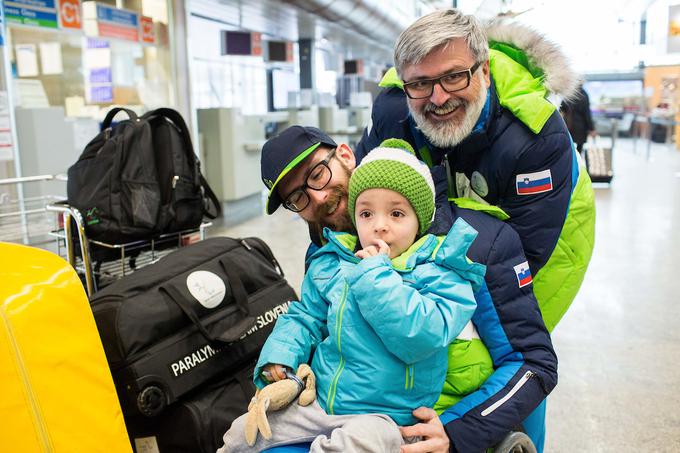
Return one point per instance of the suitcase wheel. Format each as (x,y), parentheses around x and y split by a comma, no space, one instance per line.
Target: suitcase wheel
(151,400)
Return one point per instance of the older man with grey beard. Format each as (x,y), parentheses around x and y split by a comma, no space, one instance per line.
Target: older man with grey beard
(444,119)
(472,100)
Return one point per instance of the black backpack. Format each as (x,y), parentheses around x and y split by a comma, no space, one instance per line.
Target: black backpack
(140,178)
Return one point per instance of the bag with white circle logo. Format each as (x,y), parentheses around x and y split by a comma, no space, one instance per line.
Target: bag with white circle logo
(196,315)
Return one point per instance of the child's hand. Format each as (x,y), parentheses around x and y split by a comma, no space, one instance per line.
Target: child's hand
(274,372)
(372,250)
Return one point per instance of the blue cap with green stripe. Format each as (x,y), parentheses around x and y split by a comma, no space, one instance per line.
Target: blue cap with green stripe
(282,153)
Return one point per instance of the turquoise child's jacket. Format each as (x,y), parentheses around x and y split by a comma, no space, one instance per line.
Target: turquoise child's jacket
(380,329)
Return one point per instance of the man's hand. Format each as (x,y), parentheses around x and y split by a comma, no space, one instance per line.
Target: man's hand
(431,430)
(372,250)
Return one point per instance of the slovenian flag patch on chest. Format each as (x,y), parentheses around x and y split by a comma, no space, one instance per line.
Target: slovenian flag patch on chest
(533,183)
(523,274)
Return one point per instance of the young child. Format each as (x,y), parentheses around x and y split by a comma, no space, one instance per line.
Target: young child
(375,320)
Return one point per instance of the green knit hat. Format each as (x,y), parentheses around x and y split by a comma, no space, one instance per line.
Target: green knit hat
(394,166)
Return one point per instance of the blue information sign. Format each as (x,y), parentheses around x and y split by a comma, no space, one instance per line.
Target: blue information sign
(100,75)
(117,16)
(41,13)
(101,94)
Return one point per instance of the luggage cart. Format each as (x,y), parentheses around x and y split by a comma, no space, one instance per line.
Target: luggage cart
(100,263)
(599,160)
(24,220)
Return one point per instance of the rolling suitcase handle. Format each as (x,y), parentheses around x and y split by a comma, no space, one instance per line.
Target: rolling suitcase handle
(240,297)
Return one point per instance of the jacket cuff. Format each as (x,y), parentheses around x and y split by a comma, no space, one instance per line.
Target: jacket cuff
(280,356)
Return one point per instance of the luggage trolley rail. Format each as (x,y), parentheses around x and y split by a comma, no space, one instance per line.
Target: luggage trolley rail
(24,220)
(100,263)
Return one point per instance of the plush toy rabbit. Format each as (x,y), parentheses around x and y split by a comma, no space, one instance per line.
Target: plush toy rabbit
(276,396)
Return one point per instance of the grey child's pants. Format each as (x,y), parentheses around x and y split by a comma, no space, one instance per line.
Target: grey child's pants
(361,433)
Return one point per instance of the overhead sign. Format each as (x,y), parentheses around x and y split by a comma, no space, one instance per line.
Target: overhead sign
(100,75)
(117,23)
(99,94)
(99,78)
(147,30)
(256,43)
(69,14)
(39,13)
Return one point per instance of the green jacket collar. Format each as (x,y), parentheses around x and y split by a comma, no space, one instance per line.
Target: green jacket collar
(520,90)
(344,245)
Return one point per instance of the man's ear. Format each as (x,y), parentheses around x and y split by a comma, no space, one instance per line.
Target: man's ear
(487,73)
(346,155)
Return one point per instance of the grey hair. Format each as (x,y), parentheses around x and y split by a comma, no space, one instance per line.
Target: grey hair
(438,29)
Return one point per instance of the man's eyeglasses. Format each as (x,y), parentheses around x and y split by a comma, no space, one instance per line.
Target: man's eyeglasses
(317,178)
(453,81)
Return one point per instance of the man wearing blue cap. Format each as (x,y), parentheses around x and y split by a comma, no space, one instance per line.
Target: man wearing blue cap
(308,173)
(314,201)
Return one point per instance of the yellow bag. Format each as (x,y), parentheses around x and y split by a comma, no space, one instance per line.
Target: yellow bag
(56,391)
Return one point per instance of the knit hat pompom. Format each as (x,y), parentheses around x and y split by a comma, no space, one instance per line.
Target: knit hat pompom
(397,143)
(397,169)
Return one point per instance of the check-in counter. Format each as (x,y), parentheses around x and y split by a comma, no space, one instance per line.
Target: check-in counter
(231,145)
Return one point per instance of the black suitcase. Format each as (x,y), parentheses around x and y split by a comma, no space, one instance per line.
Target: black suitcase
(599,163)
(196,423)
(199,312)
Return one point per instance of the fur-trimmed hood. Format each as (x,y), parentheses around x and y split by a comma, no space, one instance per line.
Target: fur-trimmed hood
(559,78)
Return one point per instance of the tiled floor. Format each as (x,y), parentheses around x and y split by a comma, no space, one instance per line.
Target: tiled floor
(619,343)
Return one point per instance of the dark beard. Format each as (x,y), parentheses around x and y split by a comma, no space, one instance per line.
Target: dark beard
(343,224)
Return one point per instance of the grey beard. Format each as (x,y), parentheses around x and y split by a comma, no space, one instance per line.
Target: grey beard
(450,133)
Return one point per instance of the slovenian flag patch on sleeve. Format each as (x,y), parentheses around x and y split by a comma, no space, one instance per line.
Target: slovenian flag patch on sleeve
(523,274)
(533,183)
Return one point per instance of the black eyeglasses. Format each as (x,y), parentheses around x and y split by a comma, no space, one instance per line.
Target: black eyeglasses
(453,81)
(317,178)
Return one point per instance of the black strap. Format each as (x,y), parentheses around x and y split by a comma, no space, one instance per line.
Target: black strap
(229,336)
(178,121)
(113,112)
(263,249)
(237,288)
(210,196)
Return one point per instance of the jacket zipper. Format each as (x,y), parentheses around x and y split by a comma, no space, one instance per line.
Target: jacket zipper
(336,378)
(410,374)
(518,385)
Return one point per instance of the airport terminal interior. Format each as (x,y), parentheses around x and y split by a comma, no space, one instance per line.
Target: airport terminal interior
(241,72)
